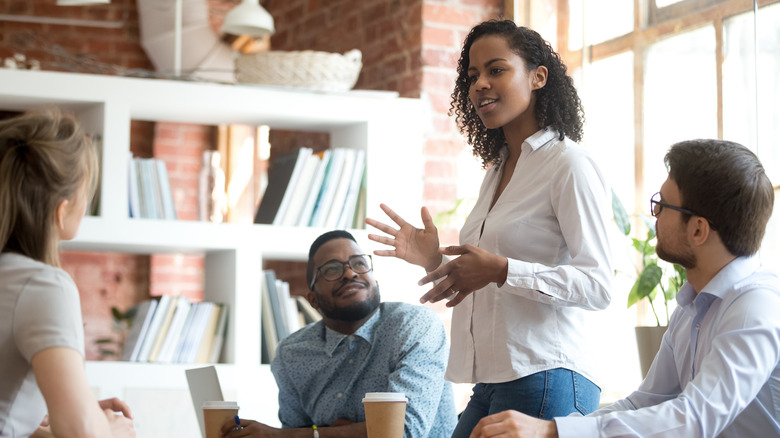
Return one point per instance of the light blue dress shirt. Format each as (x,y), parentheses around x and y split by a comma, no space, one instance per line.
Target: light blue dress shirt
(323,374)
(717,371)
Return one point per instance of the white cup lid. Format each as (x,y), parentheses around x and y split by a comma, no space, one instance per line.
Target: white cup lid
(385,397)
(220,405)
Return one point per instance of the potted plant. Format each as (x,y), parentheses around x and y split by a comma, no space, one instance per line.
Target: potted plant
(651,277)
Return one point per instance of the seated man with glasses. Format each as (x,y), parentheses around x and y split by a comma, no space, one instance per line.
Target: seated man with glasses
(717,372)
(361,345)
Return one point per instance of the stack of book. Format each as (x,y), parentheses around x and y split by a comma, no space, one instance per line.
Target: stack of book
(281,314)
(315,190)
(176,330)
(150,190)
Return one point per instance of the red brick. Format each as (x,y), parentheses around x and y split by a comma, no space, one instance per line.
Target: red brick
(440,169)
(438,36)
(439,191)
(440,57)
(447,14)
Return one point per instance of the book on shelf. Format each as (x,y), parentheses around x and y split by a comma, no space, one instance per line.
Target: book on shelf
(196,333)
(269,339)
(149,189)
(309,313)
(167,319)
(348,212)
(186,334)
(166,195)
(174,332)
(203,351)
(302,156)
(328,190)
(342,182)
(279,176)
(221,331)
(302,189)
(279,314)
(160,312)
(143,318)
(134,198)
(359,219)
(314,191)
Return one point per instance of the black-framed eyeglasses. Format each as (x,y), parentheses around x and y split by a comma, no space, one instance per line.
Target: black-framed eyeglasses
(656,206)
(334,269)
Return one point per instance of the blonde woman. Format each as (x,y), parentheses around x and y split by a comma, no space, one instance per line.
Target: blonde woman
(47,173)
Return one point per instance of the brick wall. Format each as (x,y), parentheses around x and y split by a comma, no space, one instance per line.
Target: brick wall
(408,46)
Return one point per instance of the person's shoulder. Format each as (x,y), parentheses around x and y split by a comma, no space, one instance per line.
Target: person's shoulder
(305,334)
(398,312)
(34,274)
(763,284)
(756,296)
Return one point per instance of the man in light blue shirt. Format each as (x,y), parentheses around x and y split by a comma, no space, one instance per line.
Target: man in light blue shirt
(361,345)
(717,372)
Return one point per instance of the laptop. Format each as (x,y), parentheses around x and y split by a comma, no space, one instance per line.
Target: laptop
(204,386)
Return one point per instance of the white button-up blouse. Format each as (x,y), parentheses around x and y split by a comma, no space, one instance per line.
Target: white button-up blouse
(551,223)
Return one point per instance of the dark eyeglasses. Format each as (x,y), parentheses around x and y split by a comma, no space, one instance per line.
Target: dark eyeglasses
(334,269)
(656,206)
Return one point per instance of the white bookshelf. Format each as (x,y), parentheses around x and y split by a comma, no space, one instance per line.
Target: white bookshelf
(389,128)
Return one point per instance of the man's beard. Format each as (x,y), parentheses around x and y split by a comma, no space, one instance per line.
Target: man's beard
(685,259)
(352,312)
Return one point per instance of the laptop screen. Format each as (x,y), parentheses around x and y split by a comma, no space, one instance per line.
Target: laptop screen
(204,386)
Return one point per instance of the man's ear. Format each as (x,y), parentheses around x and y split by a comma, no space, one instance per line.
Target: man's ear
(538,77)
(312,299)
(62,209)
(698,230)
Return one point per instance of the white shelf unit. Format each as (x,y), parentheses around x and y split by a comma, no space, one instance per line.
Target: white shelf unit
(389,128)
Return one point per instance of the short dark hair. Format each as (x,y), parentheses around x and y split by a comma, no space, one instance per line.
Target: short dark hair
(725,183)
(557,105)
(318,242)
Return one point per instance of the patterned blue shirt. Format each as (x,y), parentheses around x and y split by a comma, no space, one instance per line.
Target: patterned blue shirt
(323,374)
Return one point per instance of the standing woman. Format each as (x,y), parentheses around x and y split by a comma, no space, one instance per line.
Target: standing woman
(534,252)
(47,173)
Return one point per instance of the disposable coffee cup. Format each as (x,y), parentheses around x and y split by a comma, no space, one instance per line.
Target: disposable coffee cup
(216,414)
(385,414)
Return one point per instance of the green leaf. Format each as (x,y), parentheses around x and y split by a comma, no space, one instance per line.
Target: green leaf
(648,280)
(116,314)
(620,215)
(633,297)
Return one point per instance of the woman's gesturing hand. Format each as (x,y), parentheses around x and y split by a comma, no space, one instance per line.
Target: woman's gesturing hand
(414,245)
(471,270)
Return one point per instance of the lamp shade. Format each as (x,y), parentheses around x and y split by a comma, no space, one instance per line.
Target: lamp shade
(248,18)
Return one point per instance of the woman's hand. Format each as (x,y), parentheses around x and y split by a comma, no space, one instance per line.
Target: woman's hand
(120,425)
(472,270)
(116,405)
(416,246)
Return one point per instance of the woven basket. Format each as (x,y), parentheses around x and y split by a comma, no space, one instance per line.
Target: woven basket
(304,69)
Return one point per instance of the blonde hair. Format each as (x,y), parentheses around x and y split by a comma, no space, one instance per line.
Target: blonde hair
(45,158)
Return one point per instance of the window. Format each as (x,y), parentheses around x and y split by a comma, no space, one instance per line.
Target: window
(654,72)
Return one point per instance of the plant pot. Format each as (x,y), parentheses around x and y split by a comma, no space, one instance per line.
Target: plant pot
(648,342)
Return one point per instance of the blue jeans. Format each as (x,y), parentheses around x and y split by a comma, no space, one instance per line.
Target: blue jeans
(546,394)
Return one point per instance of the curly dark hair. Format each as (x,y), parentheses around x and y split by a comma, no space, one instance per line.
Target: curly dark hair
(557,103)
